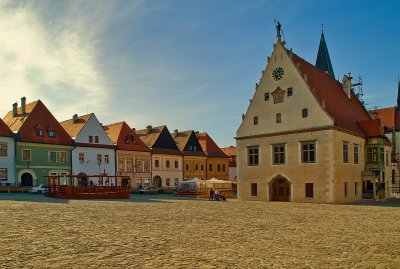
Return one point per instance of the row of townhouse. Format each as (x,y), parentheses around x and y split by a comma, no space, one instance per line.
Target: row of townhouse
(33,145)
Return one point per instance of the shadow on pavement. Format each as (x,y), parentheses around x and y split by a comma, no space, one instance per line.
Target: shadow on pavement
(394,202)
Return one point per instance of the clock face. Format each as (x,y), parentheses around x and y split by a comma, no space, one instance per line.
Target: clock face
(278,73)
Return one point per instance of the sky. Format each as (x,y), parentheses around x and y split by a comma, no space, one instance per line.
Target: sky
(188,64)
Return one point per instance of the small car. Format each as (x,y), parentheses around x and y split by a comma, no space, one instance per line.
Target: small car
(149,190)
(38,189)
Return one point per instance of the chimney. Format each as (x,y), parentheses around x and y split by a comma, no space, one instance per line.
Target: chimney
(23,105)
(148,129)
(74,118)
(346,83)
(196,133)
(374,115)
(134,129)
(175,132)
(15,107)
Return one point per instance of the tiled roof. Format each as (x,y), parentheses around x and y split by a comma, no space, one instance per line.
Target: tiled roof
(387,117)
(15,123)
(73,128)
(124,137)
(210,148)
(346,112)
(150,138)
(182,139)
(4,130)
(372,128)
(323,60)
(397,124)
(230,151)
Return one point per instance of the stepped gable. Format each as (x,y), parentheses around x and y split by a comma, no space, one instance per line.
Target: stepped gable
(36,116)
(159,140)
(124,137)
(346,112)
(4,130)
(210,148)
(185,138)
(387,117)
(73,128)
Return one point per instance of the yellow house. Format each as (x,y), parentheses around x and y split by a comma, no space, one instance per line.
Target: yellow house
(194,159)
(305,136)
(217,165)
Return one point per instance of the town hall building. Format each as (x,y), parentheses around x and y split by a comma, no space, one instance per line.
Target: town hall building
(306,137)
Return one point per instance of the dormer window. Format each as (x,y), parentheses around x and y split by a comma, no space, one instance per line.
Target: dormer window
(52,133)
(290,91)
(39,132)
(266,96)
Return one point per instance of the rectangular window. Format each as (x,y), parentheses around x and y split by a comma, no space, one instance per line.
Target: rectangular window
(345,189)
(3,174)
(3,149)
(253,154)
(374,154)
(356,149)
(278,118)
(90,139)
(176,164)
(387,158)
(308,152)
(39,132)
(305,112)
(106,159)
(63,156)
(129,165)
(278,154)
(309,190)
(290,92)
(210,167)
(345,152)
(266,96)
(187,167)
(156,163)
(223,167)
(255,120)
(176,181)
(139,181)
(96,139)
(253,189)
(167,163)
(196,167)
(52,133)
(81,157)
(218,167)
(26,154)
(201,167)
(99,158)
(52,156)
(167,182)
(369,155)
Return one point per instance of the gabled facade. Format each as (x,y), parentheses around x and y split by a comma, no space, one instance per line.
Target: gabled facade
(166,157)
(217,160)
(300,139)
(43,148)
(133,157)
(194,159)
(93,152)
(7,156)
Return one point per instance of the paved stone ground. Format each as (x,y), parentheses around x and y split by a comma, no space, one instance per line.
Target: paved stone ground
(163,231)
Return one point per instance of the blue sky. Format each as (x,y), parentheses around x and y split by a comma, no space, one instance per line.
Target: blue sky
(187,64)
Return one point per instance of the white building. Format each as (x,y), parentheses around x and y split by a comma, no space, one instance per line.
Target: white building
(7,156)
(93,152)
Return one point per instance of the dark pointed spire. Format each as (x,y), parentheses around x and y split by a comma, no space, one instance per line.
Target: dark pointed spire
(323,59)
(398,94)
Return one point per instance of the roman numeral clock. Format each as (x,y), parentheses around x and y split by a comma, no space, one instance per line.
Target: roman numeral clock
(278,73)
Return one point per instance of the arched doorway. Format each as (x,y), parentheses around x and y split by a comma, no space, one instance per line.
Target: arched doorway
(26,180)
(279,189)
(157,181)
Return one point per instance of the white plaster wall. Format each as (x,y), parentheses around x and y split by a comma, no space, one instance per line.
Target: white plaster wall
(93,128)
(9,160)
(290,109)
(90,166)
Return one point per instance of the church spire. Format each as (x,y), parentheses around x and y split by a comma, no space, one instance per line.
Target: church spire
(323,59)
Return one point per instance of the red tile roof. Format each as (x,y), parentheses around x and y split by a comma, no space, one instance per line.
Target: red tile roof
(230,151)
(210,148)
(4,130)
(124,137)
(37,116)
(387,117)
(372,128)
(73,128)
(344,111)
(397,117)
